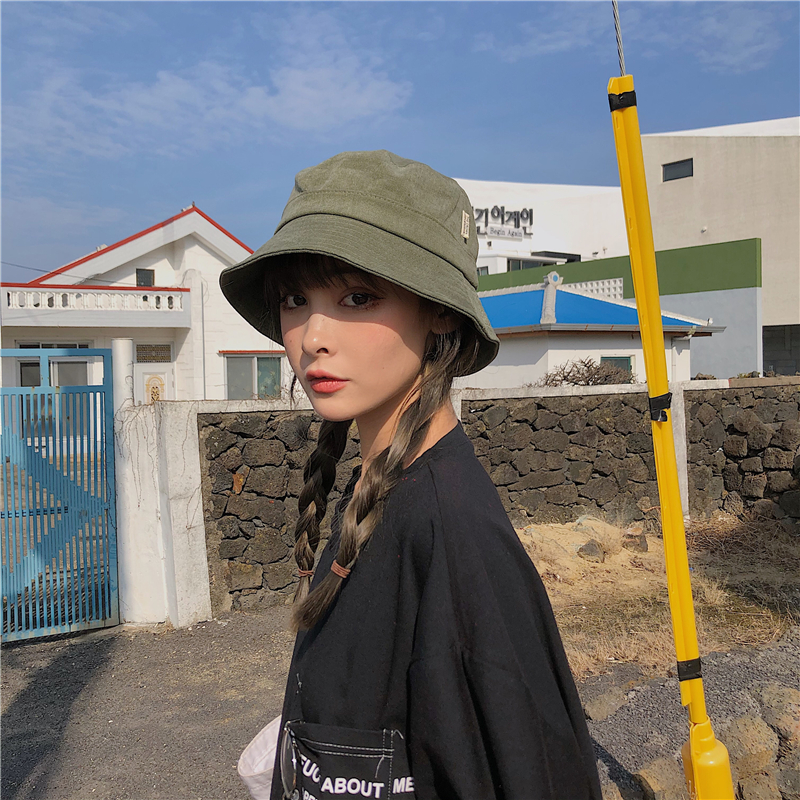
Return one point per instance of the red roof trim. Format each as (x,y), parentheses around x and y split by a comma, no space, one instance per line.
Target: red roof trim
(38,281)
(147,289)
(217,225)
(247,352)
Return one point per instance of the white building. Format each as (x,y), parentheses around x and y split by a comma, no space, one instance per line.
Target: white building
(725,184)
(159,287)
(524,225)
(725,206)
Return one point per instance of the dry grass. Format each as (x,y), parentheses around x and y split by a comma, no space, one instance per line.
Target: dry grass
(753,559)
(745,582)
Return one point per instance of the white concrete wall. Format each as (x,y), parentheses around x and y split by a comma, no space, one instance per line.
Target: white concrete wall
(743,187)
(141,576)
(524,360)
(161,544)
(224,328)
(519,361)
(495,263)
(738,348)
(160,260)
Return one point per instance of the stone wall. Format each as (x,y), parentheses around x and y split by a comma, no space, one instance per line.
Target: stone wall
(553,458)
(556,458)
(743,450)
(251,478)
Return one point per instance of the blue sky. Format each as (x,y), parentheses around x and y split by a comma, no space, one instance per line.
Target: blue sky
(116,115)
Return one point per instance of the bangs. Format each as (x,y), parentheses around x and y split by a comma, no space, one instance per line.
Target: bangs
(298,272)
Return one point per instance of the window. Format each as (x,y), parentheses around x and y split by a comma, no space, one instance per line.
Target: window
(678,169)
(526,263)
(29,373)
(253,377)
(145,277)
(69,373)
(623,362)
(62,373)
(52,345)
(483,271)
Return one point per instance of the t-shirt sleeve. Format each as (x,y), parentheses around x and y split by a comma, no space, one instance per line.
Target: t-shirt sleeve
(493,709)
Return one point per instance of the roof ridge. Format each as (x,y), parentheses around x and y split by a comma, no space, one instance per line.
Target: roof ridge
(38,281)
(526,287)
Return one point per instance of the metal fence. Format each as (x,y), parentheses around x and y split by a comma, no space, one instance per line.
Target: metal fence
(57,507)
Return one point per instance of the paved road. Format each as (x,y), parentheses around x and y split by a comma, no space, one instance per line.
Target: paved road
(134,713)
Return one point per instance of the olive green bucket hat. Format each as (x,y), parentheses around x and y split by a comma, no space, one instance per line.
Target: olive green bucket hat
(389,216)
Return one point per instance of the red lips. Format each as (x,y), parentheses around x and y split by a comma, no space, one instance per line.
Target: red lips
(313,374)
(323,382)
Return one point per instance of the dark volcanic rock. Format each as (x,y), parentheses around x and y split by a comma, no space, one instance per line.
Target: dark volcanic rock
(592,551)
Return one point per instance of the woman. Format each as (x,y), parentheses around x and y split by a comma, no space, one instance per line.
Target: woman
(427,662)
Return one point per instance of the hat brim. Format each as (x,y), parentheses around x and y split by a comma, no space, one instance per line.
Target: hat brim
(366,247)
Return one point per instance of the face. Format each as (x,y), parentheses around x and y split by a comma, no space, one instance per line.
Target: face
(356,350)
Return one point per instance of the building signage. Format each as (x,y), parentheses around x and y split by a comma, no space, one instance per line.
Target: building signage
(502,230)
(498,216)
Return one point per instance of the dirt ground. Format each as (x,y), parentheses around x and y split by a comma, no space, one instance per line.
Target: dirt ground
(745,582)
(153,713)
(139,712)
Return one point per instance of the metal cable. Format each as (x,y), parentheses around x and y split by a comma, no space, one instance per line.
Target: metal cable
(619,38)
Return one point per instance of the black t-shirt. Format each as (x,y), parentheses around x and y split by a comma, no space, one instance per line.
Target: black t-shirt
(444,631)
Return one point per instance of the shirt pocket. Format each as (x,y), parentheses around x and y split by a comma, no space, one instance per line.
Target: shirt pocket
(335,762)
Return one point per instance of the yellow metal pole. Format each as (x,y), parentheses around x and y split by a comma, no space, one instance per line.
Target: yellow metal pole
(705,759)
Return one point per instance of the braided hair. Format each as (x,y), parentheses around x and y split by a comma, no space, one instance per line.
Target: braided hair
(448,355)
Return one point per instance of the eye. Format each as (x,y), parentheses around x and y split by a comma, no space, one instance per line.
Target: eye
(359,299)
(293,301)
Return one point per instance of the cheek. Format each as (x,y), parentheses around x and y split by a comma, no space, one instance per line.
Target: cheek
(292,344)
(389,351)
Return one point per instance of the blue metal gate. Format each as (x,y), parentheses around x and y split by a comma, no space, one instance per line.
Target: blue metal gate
(57,509)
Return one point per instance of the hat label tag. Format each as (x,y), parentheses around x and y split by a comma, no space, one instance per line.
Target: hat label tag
(465,224)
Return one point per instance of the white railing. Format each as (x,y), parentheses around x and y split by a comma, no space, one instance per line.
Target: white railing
(94,299)
(608,287)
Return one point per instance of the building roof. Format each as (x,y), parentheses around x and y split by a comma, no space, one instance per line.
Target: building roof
(552,307)
(787,126)
(201,217)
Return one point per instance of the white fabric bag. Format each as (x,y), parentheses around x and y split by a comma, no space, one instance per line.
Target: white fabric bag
(258,759)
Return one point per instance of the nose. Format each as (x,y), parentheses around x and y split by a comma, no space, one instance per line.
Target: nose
(317,334)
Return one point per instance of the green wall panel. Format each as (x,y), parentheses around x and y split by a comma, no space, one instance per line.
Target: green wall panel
(705,268)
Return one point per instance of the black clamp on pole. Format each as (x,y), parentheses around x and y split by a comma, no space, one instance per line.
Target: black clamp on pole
(622,100)
(689,670)
(659,406)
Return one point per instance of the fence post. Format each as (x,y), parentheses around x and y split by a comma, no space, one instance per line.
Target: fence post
(122,383)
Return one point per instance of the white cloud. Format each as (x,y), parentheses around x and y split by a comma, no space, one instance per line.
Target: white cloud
(319,80)
(56,26)
(730,37)
(328,75)
(558,28)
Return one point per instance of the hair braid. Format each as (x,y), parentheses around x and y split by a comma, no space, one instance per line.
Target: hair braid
(319,474)
(451,354)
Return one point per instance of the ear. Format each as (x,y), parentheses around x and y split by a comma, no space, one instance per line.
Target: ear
(443,319)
